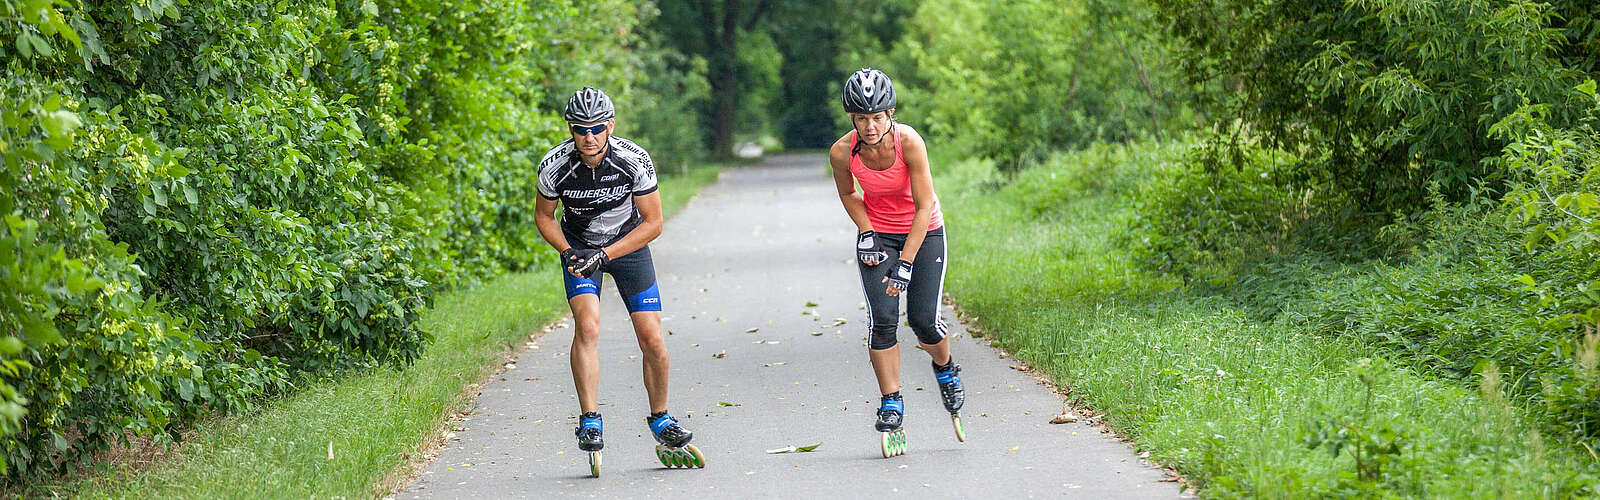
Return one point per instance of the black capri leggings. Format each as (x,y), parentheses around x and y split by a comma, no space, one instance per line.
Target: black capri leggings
(922,296)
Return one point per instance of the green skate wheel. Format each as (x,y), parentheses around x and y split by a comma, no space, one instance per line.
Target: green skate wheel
(893,443)
(667,457)
(685,457)
(696,459)
(594,464)
(961,432)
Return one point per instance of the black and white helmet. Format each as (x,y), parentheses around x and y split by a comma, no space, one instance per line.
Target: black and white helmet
(868,91)
(589,105)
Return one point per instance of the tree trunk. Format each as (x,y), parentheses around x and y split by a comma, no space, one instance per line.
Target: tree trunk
(725,94)
(724,68)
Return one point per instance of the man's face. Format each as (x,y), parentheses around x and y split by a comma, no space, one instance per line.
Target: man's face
(591,137)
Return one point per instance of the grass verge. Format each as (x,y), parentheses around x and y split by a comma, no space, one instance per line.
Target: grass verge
(1242,407)
(346,437)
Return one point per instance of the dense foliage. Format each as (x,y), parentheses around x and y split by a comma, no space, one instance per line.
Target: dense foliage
(1022,80)
(1454,140)
(202,200)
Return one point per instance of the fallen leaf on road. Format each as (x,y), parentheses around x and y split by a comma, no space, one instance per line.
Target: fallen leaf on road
(838,321)
(816,334)
(811,304)
(794,449)
(725,403)
(775,363)
(1015,448)
(1169,479)
(719,319)
(752,330)
(1064,418)
(720,354)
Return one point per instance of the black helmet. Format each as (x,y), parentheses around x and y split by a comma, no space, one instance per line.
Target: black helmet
(589,105)
(868,91)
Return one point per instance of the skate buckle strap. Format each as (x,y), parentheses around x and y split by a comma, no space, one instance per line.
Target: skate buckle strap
(893,404)
(590,423)
(662,423)
(947,376)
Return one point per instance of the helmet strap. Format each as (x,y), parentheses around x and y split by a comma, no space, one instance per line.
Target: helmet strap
(856,150)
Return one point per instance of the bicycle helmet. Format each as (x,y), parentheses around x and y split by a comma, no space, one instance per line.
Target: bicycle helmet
(589,105)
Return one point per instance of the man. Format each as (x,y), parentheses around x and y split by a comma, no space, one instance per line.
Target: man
(611,211)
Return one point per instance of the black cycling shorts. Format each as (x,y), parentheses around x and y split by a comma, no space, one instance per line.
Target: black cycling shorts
(635,274)
(922,295)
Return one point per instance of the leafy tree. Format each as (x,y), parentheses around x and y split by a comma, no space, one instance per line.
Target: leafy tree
(715,30)
(1037,75)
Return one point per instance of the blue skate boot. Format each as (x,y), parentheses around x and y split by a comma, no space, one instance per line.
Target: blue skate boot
(949,378)
(590,431)
(891,437)
(674,449)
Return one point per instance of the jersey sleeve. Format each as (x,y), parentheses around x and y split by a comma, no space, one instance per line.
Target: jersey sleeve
(549,169)
(642,168)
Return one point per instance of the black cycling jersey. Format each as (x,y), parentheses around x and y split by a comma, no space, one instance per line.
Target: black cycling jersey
(597,203)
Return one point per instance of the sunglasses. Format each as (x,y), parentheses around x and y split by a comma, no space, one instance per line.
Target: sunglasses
(590,130)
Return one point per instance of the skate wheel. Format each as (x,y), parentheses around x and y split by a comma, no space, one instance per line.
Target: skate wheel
(594,464)
(893,444)
(961,432)
(695,458)
(685,457)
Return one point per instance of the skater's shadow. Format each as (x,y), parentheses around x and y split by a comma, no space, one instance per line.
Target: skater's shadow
(914,454)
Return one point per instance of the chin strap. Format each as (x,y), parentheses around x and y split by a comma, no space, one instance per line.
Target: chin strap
(856,150)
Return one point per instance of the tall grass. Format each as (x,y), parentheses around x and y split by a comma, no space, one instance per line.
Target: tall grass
(1242,406)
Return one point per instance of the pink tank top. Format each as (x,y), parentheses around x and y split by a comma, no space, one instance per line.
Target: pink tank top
(887,193)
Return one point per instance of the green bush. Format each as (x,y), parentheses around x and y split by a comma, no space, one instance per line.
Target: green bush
(1219,207)
(203,202)
(1556,204)
(1387,100)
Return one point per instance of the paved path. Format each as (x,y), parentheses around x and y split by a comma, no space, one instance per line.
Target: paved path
(749,253)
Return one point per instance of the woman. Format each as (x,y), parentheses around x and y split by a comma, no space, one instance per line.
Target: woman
(900,245)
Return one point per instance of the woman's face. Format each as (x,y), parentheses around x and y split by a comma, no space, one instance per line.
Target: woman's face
(870,127)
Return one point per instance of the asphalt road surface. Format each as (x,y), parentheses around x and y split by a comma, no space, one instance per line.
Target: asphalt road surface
(738,269)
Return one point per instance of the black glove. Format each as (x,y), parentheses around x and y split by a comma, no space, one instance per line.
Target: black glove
(869,250)
(900,277)
(586,261)
(569,256)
